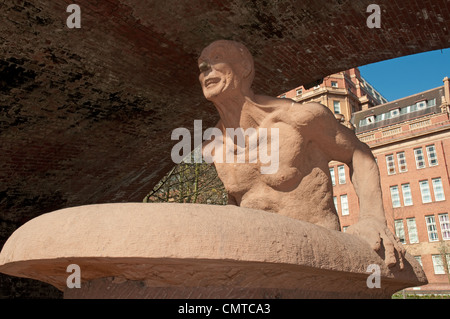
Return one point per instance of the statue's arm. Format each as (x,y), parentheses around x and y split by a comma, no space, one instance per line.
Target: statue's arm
(339,143)
(364,174)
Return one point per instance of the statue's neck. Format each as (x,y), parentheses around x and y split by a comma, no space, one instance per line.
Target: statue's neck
(240,112)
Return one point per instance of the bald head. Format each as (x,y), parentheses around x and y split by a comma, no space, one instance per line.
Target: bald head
(233,53)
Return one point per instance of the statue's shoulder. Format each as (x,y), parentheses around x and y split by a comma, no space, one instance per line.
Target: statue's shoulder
(270,101)
(314,108)
(305,113)
(298,114)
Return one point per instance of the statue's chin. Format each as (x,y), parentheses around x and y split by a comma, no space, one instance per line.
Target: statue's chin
(211,96)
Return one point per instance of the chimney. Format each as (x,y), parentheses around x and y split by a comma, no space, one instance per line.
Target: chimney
(447,90)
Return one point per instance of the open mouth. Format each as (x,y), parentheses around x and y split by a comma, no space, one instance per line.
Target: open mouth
(211,81)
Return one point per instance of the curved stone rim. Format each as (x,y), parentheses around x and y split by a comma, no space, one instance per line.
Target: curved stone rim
(108,234)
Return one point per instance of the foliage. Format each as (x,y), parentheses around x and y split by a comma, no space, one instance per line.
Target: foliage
(400,295)
(190,183)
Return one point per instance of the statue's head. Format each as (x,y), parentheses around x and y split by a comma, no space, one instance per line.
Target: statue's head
(226,68)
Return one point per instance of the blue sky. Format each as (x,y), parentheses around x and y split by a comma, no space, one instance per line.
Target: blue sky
(408,75)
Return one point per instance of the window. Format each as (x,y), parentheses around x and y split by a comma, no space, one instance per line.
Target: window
(344,205)
(425,191)
(337,107)
(431,154)
(370,119)
(316,87)
(445,226)
(333,178)
(341,174)
(412,230)
(401,161)
(395,197)
(394,113)
(431,102)
(344,229)
(405,110)
(380,117)
(390,164)
(407,196)
(283,96)
(421,105)
(400,230)
(334,84)
(431,228)
(335,202)
(438,189)
(418,154)
(419,259)
(438,264)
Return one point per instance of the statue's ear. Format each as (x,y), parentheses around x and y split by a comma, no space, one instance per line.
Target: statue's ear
(247,69)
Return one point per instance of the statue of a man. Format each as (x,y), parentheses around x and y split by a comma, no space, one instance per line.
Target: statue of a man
(309,138)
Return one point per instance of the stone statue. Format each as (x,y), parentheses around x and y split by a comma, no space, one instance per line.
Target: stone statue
(309,138)
(175,250)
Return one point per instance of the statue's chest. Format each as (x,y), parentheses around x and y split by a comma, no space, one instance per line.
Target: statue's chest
(270,155)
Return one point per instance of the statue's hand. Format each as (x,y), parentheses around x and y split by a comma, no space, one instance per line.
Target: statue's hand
(381,239)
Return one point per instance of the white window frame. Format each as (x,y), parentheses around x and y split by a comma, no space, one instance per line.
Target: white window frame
(344,205)
(401,162)
(335,203)
(431,228)
(341,174)
(395,196)
(334,84)
(419,259)
(400,230)
(407,195)
(438,264)
(370,119)
(338,108)
(425,191)
(333,176)
(438,189)
(390,164)
(431,155)
(412,230)
(445,226)
(418,161)
(394,113)
(421,105)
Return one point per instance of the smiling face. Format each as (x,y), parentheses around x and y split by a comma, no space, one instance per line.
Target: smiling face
(221,70)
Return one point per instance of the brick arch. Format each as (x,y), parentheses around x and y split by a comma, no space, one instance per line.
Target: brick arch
(86,114)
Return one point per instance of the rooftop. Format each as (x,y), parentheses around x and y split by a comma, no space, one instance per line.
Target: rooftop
(400,110)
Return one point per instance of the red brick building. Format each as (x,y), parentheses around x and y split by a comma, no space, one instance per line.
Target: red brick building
(410,139)
(344,93)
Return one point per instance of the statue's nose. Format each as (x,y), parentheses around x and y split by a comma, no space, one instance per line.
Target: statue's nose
(204,66)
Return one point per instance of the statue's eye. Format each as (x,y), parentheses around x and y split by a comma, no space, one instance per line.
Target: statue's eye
(203,67)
